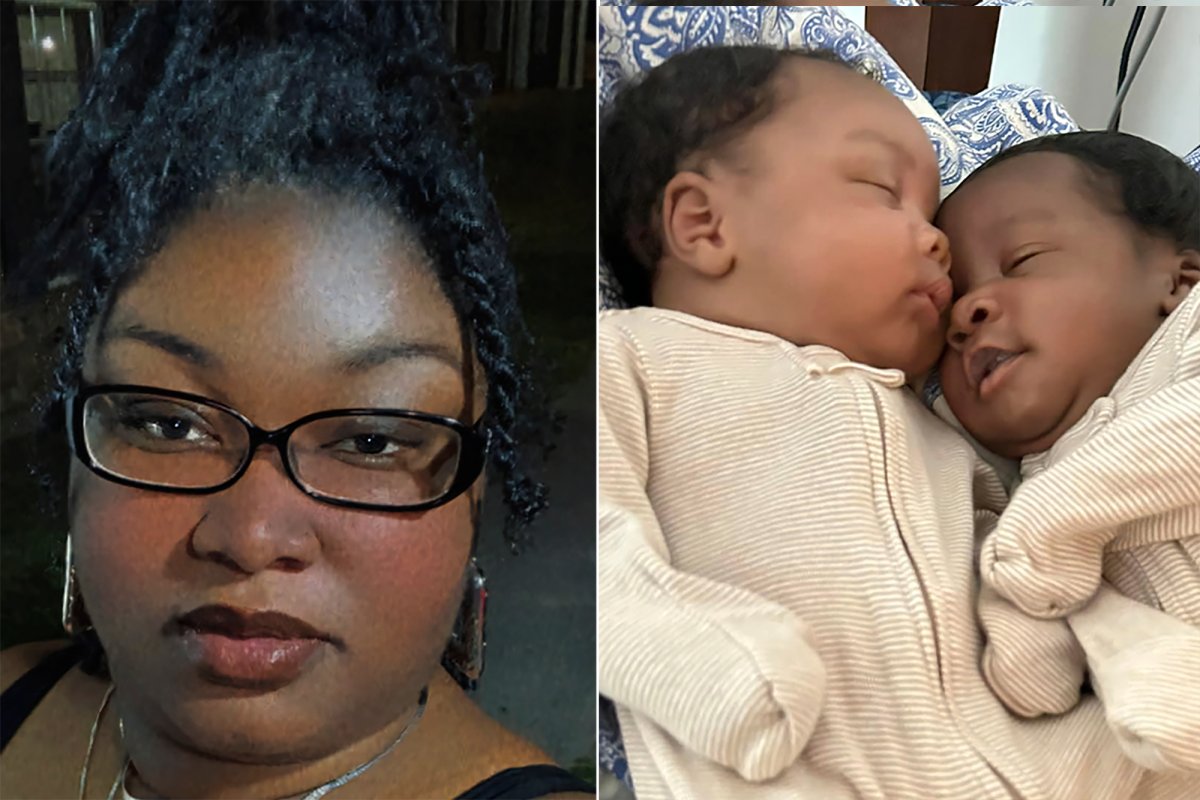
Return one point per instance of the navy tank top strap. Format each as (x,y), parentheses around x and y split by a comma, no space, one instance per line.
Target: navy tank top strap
(21,698)
(527,783)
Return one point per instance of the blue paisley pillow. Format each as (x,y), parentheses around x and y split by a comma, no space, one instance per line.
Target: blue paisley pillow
(1193,159)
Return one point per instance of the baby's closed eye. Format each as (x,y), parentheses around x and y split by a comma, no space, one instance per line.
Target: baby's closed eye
(889,190)
(1022,261)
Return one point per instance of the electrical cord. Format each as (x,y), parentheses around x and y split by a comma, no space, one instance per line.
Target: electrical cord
(1135,64)
(1138,13)
(1130,37)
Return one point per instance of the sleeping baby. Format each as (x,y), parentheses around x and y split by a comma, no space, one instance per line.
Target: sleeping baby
(1075,347)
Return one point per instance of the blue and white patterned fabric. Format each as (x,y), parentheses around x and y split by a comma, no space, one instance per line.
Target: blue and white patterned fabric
(635,38)
(1193,159)
(941,101)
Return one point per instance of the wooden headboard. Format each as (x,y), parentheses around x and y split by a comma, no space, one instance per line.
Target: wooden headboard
(941,48)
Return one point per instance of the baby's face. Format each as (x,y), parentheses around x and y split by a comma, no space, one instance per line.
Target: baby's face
(1055,299)
(830,207)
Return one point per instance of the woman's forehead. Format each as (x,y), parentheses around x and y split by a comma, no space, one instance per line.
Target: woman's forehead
(287,267)
(291,285)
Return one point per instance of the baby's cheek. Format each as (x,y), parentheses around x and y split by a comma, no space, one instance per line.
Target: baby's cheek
(954,385)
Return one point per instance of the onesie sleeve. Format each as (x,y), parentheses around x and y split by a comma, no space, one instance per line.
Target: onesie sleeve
(730,675)
(1137,480)
(1144,665)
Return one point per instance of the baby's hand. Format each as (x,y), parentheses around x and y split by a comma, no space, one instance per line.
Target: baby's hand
(1034,666)
(1016,567)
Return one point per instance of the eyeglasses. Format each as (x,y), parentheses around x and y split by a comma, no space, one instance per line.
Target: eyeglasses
(375,459)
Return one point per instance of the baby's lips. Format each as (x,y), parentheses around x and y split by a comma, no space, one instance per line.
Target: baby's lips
(941,292)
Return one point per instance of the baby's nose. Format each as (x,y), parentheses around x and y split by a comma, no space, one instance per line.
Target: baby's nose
(936,247)
(967,316)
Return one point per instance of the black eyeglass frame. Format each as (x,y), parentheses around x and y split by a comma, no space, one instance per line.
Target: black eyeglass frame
(474,440)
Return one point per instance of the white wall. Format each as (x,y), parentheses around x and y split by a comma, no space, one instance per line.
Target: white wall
(1164,103)
(856,14)
(1121,3)
(1074,53)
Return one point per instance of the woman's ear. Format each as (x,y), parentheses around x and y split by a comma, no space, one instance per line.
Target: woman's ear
(1184,276)
(695,229)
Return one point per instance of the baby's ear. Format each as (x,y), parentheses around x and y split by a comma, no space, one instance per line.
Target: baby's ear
(695,228)
(1184,278)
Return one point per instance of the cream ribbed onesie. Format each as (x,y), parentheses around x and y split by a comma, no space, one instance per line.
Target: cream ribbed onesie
(787,583)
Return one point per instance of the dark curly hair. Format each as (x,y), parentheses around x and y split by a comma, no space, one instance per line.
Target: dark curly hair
(353,99)
(697,101)
(1151,186)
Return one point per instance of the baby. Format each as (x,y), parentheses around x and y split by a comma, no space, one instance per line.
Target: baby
(1075,347)
(787,546)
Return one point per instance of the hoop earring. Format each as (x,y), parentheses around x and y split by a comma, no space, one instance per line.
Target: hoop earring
(463,657)
(75,619)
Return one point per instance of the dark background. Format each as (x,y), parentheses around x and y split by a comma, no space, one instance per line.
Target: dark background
(538,137)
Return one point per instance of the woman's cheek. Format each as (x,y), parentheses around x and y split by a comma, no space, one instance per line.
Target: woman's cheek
(123,541)
(404,575)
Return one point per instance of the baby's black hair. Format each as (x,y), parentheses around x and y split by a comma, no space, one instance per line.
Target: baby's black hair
(351,99)
(697,101)
(1148,184)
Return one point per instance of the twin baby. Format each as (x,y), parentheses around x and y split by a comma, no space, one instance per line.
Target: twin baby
(812,586)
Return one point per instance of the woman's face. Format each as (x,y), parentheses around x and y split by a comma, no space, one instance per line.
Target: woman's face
(279,304)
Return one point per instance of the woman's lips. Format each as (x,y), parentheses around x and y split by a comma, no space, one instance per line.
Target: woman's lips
(248,649)
(262,663)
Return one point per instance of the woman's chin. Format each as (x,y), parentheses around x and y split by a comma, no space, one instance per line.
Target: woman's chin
(273,736)
(264,727)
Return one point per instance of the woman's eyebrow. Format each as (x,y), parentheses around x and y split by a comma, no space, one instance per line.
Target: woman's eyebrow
(373,355)
(171,343)
(363,358)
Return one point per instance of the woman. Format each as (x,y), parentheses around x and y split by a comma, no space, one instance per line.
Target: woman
(290,359)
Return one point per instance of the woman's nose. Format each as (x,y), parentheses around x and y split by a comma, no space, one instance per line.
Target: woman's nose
(261,522)
(967,316)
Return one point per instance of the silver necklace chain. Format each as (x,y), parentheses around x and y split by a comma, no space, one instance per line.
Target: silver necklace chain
(87,759)
(315,794)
